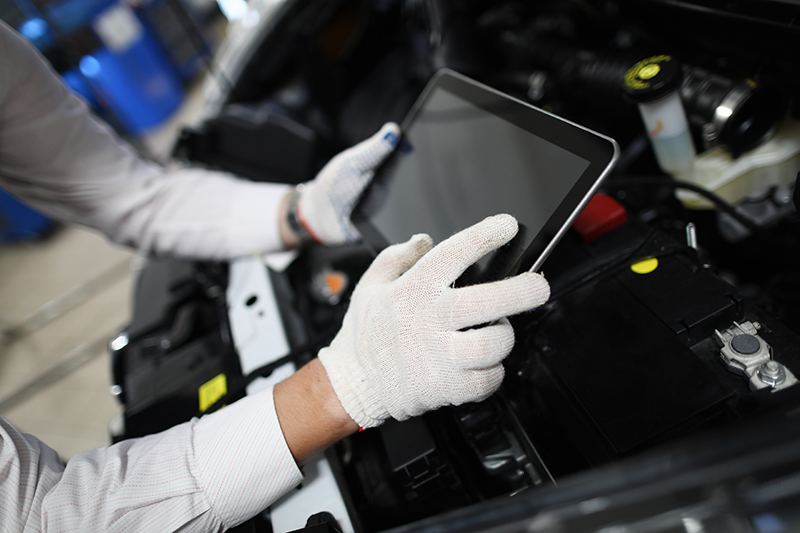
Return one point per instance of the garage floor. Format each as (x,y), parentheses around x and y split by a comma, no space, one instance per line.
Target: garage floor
(61,300)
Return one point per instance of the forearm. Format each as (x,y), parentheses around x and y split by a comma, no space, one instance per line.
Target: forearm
(203,475)
(144,484)
(58,158)
(310,414)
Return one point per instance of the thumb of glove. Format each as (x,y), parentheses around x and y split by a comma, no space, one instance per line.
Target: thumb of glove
(364,157)
(327,201)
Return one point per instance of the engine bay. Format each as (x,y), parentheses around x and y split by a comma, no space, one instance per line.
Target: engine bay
(656,389)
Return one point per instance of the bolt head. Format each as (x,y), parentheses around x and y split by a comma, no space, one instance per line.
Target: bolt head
(771,373)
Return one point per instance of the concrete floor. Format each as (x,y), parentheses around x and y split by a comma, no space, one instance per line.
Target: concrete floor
(54,380)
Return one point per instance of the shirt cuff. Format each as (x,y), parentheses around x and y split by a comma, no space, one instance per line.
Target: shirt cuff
(242,459)
(254,226)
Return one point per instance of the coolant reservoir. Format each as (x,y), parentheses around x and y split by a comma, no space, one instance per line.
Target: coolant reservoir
(773,164)
(654,84)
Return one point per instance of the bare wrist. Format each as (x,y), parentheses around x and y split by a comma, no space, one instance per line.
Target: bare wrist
(309,412)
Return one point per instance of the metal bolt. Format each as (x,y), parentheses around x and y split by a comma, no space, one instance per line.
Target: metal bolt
(772,373)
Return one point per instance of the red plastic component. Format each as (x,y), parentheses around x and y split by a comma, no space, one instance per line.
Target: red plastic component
(601,215)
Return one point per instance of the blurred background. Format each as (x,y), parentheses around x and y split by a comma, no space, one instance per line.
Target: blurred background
(65,291)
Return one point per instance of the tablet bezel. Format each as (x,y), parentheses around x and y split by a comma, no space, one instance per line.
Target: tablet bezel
(599,150)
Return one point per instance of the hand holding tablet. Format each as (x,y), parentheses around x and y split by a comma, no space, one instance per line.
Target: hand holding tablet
(411,342)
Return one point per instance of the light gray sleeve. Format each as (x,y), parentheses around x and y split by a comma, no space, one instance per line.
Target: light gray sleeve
(205,475)
(56,157)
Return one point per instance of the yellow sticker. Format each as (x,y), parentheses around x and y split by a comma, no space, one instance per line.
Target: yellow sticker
(646,266)
(211,391)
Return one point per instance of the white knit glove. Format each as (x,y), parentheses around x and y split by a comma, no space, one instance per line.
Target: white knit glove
(404,348)
(327,201)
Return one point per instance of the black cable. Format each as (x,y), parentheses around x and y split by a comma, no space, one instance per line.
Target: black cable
(721,204)
(628,257)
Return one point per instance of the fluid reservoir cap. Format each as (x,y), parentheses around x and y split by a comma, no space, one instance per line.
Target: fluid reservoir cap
(653,78)
(745,344)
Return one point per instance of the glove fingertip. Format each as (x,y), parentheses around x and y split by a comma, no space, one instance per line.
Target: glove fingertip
(496,229)
(455,254)
(367,155)
(483,347)
(505,221)
(487,381)
(409,252)
(538,288)
(421,242)
(390,134)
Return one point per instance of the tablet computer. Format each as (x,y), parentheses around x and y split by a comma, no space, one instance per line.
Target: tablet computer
(468,152)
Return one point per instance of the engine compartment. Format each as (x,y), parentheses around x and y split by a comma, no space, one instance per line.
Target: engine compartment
(655,391)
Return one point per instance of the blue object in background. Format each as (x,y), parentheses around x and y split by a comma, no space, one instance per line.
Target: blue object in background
(77,84)
(19,222)
(38,32)
(69,16)
(127,76)
(130,75)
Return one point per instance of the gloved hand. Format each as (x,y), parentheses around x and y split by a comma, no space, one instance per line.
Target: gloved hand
(325,203)
(404,348)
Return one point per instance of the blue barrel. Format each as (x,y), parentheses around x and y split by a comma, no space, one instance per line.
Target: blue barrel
(130,74)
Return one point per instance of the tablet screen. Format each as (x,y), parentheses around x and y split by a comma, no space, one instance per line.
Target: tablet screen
(462,159)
